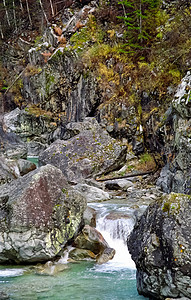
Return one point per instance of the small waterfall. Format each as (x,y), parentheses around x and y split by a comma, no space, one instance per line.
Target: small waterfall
(115,224)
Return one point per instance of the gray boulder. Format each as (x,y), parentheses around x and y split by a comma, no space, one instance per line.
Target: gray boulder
(11,145)
(90,153)
(11,169)
(119,184)
(90,216)
(30,124)
(160,245)
(6,174)
(92,240)
(34,148)
(39,213)
(92,194)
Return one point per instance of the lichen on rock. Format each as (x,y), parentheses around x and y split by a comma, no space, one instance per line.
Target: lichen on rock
(39,214)
(160,246)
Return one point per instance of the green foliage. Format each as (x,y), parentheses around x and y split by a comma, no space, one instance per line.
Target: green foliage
(91,34)
(138,17)
(145,157)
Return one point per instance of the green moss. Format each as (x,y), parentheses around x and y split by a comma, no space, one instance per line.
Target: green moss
(145,157)
(172,203)
(49,82)
(166,207)
(56,58)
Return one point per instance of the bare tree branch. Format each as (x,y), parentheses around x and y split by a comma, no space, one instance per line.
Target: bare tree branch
(52,9)
(30,20)
(43,11)
(14,15)
(21,5)
(6,12)
(1,31)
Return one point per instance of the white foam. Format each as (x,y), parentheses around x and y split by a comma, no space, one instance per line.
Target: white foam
(115,233)
(11,272)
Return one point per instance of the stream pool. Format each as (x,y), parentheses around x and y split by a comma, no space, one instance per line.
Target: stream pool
(114,280)
(83,280)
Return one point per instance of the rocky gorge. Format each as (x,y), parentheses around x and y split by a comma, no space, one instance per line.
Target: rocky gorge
(106,122)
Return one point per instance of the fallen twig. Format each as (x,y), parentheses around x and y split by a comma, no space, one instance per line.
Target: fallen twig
(12,84)
(127,175)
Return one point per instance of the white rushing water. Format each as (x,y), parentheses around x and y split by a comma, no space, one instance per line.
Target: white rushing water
(113,280)
(115,231)
(11,272)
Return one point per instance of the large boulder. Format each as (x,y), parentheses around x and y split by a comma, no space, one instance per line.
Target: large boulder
(90,153)
(12,168)
(160,245)
(92,193)
(30,124)
(39,213)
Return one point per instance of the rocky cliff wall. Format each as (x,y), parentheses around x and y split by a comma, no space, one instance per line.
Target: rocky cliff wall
(176,174)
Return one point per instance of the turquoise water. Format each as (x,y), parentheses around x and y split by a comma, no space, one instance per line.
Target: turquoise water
(114,280)
(84,280)
(33,159)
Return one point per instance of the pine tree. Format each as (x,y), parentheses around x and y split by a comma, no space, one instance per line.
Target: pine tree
(136,15)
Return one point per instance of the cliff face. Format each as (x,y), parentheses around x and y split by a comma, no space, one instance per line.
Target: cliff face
(175,176)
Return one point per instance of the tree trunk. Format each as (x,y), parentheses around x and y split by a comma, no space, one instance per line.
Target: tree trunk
(14,15)
(1,31)
(52,9)
(21,5)
(140,21)
(30,20)
(6,12)
(43,11)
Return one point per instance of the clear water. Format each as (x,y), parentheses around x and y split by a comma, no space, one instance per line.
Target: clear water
(114,280)
(33,159)
(81,281)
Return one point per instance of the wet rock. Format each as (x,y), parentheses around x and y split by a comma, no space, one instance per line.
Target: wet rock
(92,194)
(119,184)
(81,254)
(50,268)
(105,256)
(25,166)
(91,239)
(89,216)
(160,245)
(118,215)
(88,154)
(39,213)
(4,296)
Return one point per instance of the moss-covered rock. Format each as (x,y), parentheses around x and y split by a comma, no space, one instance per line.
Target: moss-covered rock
(39,214)
(90,153)
(160,245)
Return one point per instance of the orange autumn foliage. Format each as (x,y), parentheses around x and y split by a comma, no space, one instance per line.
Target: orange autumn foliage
(58,30)
(46,56)
(79,25)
